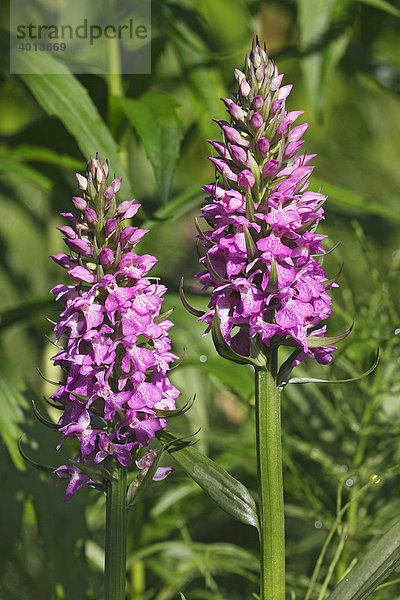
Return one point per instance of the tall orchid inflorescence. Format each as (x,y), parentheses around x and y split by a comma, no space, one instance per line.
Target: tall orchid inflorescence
(117,351)
(262,251)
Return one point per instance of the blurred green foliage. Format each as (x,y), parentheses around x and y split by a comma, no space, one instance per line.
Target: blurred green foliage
(343,58)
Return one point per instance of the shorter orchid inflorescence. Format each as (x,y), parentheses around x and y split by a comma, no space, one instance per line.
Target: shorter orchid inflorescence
(117,351)
(262,253)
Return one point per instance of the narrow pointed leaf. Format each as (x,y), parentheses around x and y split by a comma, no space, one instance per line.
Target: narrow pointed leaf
(249,205)
(180,205)
(321,47)
(353,202)
(154,116)
(273,273)
(57,384)
(307,227)
(213,271)
(189,308)
(53,404)
(24,311)
(329,251)
(230,495)
(286,368)
(313,380)
(164,316)
(199,230)
(226,351)
(252,251)
(13,406)
(383,5)
(63,96)
(46,155)
(314,341)
(23,171)
(334,278)
(377,564)
(42,419)
(178,411)
(31,462)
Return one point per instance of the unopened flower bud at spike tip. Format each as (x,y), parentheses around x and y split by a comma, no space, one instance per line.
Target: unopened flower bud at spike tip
(246,179)
(239,154)
(256,120)
(266,286)
(263,145)
(245,88)
(99,174)
(79,203)
(258,102)
(82,181)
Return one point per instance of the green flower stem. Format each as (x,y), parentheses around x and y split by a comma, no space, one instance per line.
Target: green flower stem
(116,517)
(270,484)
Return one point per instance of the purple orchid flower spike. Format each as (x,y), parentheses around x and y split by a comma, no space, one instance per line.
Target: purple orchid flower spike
(262,251)
(117,351)
(261,264)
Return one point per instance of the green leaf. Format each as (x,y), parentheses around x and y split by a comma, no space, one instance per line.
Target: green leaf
(178,206)
(63,96)
(286,368)
(12,403)
(179,563)
(177,411)
(46,155)
(226,351)
(193,311)
(372,569)
(33,463)
(155,119)
(42,419)
(16,167)
(314,341)
(354,202)
(251,247)
(383,5)
(324,36)
(351,379)
(273,274)
(230,495)
(173,495)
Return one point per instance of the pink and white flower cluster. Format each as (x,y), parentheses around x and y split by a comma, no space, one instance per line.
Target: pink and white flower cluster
(117,351)
(261,259)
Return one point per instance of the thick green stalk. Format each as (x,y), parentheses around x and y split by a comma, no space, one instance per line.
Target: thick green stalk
(270,484)
(116,517)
